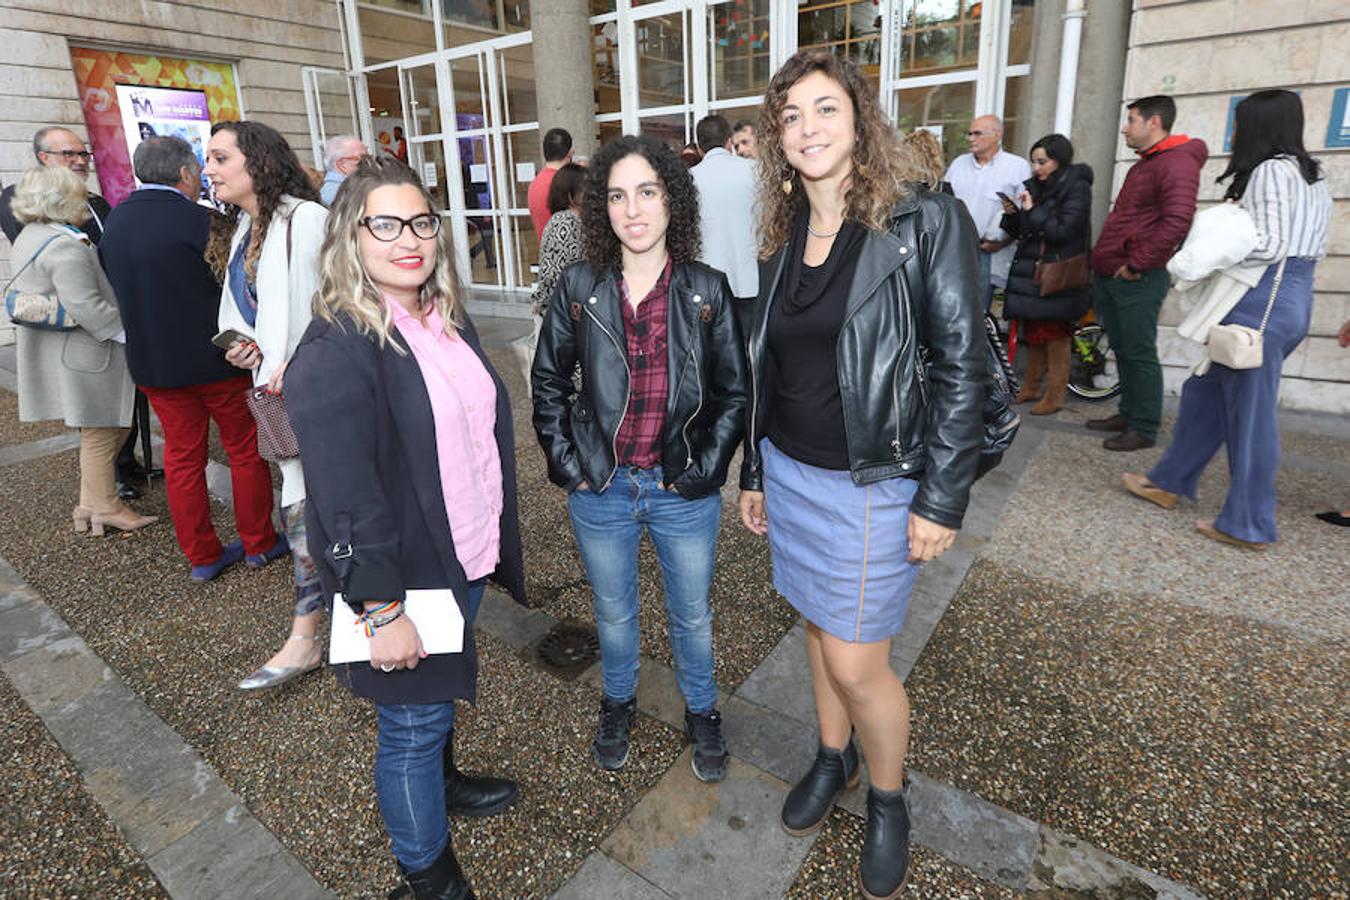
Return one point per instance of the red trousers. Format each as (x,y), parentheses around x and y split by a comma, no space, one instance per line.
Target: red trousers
(185,414)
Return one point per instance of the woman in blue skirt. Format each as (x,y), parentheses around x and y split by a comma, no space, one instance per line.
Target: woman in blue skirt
(867,379)
(1282,187)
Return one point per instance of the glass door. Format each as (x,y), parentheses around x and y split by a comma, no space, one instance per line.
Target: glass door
(330,106)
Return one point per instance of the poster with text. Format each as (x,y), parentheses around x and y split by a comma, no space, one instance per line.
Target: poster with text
(164,112)
(98,73)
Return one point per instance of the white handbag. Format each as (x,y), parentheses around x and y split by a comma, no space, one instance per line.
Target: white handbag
(1238,346)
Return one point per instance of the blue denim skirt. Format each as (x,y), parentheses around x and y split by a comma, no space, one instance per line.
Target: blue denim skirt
(840,551)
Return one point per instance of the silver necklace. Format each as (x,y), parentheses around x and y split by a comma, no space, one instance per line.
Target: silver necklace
(821,234)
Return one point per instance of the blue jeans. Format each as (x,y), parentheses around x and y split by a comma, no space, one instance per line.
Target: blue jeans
(987,279)
(409,772)
(608,527)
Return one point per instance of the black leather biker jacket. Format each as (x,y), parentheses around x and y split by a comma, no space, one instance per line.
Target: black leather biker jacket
(705,409)
(911,357)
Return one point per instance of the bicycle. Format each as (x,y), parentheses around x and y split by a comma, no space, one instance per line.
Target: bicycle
(1093,374)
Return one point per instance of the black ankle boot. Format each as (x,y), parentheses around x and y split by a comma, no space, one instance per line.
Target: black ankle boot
(442,880)
(884,867)
(809,802)
(480,796)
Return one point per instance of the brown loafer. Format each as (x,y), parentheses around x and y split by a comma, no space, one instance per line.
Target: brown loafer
(1206,527)
(1110,423)
(1128,440)
(1142,487)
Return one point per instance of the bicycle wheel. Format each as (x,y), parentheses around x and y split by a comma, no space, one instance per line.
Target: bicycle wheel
(1092,367)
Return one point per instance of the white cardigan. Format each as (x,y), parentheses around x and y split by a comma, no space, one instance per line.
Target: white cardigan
(285,300)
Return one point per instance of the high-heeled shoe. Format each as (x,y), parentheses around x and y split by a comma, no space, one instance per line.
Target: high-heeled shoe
(275,676)
(80,515)
(125,519)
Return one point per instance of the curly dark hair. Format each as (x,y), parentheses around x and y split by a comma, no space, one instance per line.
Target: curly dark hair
(881,162)
(600,245)
(276,171)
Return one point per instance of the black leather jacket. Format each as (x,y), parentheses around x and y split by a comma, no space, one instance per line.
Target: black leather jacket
(705,409)
(915,296)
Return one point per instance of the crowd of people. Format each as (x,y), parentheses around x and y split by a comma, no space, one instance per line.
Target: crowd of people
(810,289)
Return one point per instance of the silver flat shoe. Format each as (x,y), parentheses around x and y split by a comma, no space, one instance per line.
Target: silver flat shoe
(275,676)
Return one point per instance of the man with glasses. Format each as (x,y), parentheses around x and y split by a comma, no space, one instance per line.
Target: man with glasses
(340,156)
(57,146)
(977,178)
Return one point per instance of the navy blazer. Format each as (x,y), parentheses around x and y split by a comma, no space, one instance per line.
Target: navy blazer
(367,438)
(153,250)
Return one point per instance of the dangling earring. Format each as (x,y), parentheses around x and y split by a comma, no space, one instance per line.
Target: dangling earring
(787,182)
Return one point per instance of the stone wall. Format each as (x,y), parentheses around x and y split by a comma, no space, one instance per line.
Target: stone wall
(1203,52)
(267,40)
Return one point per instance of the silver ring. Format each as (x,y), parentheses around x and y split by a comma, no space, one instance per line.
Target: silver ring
(386,668)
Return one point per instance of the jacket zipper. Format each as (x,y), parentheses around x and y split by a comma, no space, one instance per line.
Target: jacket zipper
(896,444)
(628,389)
(684,432)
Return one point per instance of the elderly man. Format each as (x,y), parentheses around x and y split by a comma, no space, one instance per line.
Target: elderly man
(340,156)
(153,253)
(57,146)
(743,140)
(977,178)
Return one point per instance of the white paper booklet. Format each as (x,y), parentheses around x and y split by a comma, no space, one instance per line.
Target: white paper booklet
(435,613)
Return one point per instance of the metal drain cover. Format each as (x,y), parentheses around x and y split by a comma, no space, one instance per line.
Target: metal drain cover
(568,649)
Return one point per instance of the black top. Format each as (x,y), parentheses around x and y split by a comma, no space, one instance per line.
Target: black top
(153,252)
(806,418)
(94,227)
(1057,227)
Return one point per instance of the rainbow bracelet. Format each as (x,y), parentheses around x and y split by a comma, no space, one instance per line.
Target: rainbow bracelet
(383,609)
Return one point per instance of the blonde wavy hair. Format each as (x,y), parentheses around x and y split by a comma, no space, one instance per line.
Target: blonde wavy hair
(880,161)
(345,291)
(925,153)
(51,194)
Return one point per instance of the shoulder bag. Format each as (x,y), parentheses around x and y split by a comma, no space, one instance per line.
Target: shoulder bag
(32,309)
(1239,346)
(276,440)
(1054,276)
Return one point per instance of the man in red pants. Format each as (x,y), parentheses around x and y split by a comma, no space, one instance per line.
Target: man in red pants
(152,250)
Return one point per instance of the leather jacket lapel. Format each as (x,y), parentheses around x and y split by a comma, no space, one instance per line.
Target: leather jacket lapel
(882,253)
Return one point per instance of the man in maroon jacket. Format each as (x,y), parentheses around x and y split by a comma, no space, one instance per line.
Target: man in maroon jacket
(1151,216)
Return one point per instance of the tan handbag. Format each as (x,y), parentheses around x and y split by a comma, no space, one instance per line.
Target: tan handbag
(1054,276)
(1239,346)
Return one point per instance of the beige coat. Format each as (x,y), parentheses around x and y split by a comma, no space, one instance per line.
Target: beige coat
(79,376)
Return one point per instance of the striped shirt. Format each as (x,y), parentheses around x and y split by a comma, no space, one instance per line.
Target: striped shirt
(1290,214)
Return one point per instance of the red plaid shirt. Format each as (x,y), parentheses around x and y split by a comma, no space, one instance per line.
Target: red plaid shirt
(638,442)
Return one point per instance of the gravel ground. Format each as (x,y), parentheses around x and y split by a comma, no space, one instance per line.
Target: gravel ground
(57,841)
(1134,546)
(1208,748)
(830,870)
(12,431)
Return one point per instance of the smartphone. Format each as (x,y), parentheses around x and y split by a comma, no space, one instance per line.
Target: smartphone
(229,337)
(1005,198)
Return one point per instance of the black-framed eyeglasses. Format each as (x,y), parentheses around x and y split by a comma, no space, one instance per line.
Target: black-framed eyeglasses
(84,155)
(388,228)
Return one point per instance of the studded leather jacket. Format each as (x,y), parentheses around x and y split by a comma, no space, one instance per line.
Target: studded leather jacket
(911,362)
(705,410)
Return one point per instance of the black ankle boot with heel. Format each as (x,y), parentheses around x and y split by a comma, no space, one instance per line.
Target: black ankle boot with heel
(884,867)
(474,795)
(809,802)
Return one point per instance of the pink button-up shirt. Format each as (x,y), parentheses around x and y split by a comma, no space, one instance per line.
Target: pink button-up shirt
(464,407)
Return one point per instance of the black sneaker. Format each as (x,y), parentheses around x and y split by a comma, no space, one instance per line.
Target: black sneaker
(704,731)
(610,747)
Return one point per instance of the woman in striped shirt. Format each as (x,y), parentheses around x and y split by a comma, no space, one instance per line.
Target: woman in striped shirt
(1282,187)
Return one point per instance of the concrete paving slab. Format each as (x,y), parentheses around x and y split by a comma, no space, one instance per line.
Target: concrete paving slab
(710,840)
(17,453)
(1066,865)
(509,622)
(782,682)
(600,876)
(57,674)
(233,855)
(767,739)
(27,627)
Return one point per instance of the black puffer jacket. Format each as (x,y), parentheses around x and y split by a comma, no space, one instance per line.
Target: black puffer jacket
(1062,219)
(705,408)
(915,291)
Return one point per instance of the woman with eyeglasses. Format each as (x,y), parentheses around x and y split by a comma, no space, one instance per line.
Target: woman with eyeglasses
(645,443)
(265,252)
(405,429)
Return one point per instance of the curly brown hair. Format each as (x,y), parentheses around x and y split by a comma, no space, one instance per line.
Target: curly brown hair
(880,165)
(275,171)
(925,154)
(600,245)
